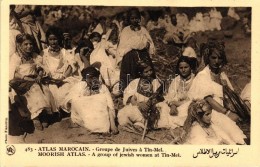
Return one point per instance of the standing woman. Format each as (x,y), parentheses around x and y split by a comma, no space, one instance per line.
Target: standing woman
(59,64)
(208,85)
(25,78)
(135,43)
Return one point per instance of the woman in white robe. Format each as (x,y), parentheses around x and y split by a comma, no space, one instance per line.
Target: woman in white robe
(90,104)
(174,108)
(26,66)
(208,85)
(199,129)
(104,53)
(59,64)
(134,36)
(136,96)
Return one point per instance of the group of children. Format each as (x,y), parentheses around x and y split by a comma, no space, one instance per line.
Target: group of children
(80,81)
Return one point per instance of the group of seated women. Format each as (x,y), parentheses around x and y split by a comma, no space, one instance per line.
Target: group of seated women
(71,80)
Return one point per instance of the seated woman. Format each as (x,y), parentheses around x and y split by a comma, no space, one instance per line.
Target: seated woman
(208,85)
(135,43)
(136,97)
(25,76)
(91,104)
(178,90)
(174,113)
(59,64)
(199,129)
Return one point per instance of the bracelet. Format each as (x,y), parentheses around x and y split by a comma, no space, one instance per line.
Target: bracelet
(228,112)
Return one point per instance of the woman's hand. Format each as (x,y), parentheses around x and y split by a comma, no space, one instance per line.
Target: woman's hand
(143,106)
(133,100)
(234,117)
(173,110)
(38,79)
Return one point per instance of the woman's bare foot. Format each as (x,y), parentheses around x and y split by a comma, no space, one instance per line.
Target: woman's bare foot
(37,124)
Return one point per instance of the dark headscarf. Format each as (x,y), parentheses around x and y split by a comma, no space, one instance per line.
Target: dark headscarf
(84,43)
(90,71)
(133,11)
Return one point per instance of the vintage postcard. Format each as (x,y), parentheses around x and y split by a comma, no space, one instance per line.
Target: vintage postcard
(136,83)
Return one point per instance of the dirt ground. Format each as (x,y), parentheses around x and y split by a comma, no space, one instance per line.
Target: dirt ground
(238,50)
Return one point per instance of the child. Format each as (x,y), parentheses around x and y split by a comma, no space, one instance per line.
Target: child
(136,97)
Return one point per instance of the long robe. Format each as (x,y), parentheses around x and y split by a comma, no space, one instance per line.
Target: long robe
(130,114)
(204,86)
(130,40)
(37,98)
(56,67)
(90,111)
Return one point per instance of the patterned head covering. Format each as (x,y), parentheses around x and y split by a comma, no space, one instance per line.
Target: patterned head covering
(196,112)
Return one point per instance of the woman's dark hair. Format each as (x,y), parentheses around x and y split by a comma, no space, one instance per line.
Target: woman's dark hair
(54,31)
(189,60)
(213,46)
(22,37)
(92,71)
(84,43)
(95,34)
(133,11)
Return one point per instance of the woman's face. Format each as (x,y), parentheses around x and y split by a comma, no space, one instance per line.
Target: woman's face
(207,117)
(53,41)
(148,72)
(27,46)
(174,20)
(207,113)
(93,82)
(134,20)
(215,61)
(185,69)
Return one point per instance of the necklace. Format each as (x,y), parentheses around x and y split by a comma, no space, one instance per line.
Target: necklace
(215,77)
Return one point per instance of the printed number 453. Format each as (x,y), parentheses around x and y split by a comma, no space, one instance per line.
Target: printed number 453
(29,149)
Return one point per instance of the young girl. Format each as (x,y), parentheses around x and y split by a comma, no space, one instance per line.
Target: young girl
(103,54)
(135,99)
(135,41)
(174,108)
(178,90)
(134,36)
(59,64)
(91,104)
(26,69)
(199,128)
